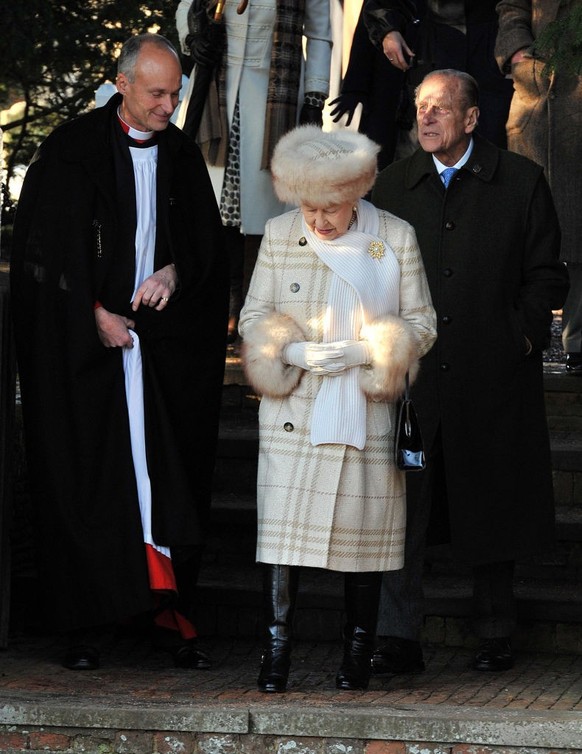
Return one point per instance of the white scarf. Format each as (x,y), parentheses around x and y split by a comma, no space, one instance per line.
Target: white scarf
(362,289)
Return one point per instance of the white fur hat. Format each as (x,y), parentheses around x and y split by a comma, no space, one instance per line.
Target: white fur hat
(323,168)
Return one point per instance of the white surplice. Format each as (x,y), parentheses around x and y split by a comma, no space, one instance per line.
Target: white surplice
(145,161)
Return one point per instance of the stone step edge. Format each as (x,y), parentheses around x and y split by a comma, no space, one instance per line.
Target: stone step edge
(415,722)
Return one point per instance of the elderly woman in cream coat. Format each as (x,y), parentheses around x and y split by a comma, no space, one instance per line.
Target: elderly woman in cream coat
(338,311)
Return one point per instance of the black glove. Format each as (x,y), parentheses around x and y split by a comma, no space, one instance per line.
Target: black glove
(345,103)
(311,114)
(206,41)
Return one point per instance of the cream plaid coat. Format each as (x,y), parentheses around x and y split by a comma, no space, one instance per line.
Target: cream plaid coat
(328,506)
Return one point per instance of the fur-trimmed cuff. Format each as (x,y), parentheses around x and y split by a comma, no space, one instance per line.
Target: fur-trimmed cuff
(262,353)
(393,348)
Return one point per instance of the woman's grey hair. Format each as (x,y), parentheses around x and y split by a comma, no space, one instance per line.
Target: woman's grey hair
(132,47)
(469,88)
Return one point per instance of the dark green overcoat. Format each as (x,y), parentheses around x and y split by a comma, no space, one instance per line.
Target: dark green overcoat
(490,245)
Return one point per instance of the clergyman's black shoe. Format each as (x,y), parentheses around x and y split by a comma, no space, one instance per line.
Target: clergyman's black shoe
(494,655)
(81,657)
(574,363)
(189,656)
(396,656)
(186,653)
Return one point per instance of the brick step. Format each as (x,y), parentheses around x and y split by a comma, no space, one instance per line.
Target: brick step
(238,443)
(562,563)
(564,422)
(229,602)
(232,542)
(562,388)
(549,615)
(237,510)
(239,437)
(559,600)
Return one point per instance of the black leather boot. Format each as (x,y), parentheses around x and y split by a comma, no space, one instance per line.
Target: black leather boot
(362,595)
(279,593)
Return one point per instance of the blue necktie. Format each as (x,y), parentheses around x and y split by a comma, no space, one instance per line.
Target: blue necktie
(447,174)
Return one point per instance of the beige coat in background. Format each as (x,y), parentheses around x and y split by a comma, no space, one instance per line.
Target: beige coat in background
(248,65)
(328,506)
(545,119)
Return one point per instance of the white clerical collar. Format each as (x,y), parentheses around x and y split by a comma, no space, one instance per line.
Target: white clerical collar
(133,132)
(440,167)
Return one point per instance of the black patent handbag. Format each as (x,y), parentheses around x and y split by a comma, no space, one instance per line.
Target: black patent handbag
(408,445)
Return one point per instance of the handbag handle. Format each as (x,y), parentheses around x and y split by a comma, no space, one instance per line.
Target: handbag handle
(407,422)
(406,388)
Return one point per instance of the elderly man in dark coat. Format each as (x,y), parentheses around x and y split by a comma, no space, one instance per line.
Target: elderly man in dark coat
(490,242)
(120,294)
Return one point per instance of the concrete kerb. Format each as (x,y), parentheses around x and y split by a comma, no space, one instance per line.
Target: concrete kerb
(431,724)
(139,716)
(424,723)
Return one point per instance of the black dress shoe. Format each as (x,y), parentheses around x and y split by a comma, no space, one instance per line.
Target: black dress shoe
(574,363)
(396,656)
(494,655)
(185,652)
(189,655)
(81,657)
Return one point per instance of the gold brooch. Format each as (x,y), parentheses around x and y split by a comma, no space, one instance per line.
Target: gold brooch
(376,249)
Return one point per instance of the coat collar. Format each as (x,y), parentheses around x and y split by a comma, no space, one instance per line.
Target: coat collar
(481,164)
(91,142)
(87,141)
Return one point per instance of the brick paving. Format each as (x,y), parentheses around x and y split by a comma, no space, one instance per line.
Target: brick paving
(137,703)
(132,672)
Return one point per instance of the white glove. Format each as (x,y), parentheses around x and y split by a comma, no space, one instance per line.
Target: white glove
(355,353)
(316,358)
(326,359)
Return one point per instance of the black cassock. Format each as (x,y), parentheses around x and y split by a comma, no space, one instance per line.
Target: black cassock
(74,245)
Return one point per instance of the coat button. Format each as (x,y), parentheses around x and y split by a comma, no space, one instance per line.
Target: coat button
(294,287)
(450,225)
(302,241)
(447,272)
(288,427)
(446,320)
(445,367)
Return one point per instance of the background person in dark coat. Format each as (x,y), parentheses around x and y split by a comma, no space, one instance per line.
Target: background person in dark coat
(419,36)
(371,80)
(82,310)
(490,244)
